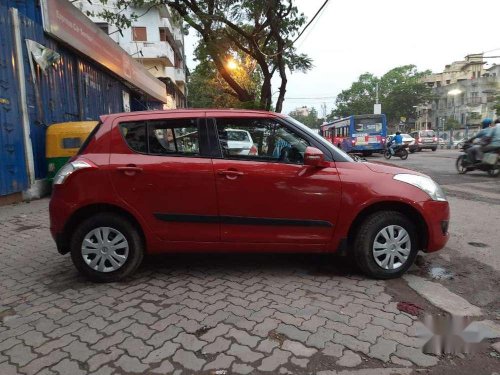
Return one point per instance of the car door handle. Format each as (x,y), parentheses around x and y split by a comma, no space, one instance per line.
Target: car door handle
(130,170)
(230,174)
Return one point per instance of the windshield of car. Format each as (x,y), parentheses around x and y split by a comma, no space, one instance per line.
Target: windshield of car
(406,136)
(237,135)
(342,154)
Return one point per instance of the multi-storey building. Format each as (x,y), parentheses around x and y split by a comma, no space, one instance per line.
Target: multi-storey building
(156,40)
(465,91)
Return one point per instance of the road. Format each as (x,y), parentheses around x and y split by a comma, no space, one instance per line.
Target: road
(244,314)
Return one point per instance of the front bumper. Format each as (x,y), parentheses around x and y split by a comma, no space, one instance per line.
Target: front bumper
(437,218)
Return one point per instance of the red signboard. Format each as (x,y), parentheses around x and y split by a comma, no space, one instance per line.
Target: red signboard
(65,22)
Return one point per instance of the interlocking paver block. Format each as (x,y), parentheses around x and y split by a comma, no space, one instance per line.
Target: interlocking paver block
(243,337)
(213,333)
(20,354)
(222,361)
(244,353)
(319,338)
(371,333)
(35,366)
(382,349)
(278,358)
(241,368)
(298,349)
(352,343)
(160,338)
(349,359)
(188,360)
(416,356)
(79,351)
(131,364)
(68,367)
(135,347)
(293,332)
(218,346)
(55,344)
(101,358)
(333,350)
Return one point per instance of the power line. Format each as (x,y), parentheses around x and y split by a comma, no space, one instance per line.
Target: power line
(309,23)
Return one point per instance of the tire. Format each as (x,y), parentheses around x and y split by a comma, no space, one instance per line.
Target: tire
(419,149)
(367,153)
(412,150)
(494,171)
(434,148)
(387,155)
(369,232)
(111,225)
(459,165)
(404,154)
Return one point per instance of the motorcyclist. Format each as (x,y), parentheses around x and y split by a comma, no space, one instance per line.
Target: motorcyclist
(395,142)
(494,135)
(474,153)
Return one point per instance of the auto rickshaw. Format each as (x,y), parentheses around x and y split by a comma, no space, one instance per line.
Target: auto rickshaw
(63,140)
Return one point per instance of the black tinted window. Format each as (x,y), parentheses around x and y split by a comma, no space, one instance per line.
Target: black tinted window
(135,135)
(162,137)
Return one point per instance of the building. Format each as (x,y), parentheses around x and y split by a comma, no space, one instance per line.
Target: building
(58,66)
(302,111)
(155,39)
(465,92)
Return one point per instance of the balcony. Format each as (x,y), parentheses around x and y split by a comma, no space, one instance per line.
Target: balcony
(475,100)
(152,50)
(178,37)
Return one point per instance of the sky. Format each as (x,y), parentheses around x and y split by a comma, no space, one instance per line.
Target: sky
(351,37)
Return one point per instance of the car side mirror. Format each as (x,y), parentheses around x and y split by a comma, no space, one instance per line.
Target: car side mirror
(314,157)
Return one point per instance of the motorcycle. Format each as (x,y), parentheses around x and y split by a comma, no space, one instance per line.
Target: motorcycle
(400,150)
(490,162)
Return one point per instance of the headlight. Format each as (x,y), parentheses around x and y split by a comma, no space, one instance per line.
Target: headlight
(69,168)
(423,183)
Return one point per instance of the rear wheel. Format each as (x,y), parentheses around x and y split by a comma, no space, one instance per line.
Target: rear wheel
(412,150)
(460,164)
(387,154)
(385,245)
(106,248)
(434,148)
(404,154)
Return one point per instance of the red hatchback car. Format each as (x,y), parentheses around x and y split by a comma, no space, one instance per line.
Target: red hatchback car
(184,181)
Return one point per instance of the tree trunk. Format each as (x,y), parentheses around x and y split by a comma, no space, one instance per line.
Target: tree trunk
(265,93)
(281,97)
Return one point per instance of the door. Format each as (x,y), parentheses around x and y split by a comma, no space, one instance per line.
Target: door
(159,168)
(270,196)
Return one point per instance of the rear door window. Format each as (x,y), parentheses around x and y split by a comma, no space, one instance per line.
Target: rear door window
(163,137)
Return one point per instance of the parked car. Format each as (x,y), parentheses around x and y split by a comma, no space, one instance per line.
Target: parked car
(239,142)
(162,181)
(407,139)
(424,139)
(459,143)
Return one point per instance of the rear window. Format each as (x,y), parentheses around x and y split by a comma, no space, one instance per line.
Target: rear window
(89,138)
(427,133)
(237,135)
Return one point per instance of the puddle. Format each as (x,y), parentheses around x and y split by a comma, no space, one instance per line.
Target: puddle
(439,273)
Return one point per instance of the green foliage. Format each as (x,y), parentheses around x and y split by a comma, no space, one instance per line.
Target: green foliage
(262,30)
(496,106)
(399,90)
(451,124)
(310,120)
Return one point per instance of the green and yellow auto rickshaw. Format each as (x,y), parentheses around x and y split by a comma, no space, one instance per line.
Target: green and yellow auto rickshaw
(63,140)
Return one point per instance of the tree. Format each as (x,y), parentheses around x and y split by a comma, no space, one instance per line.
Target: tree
(310,120)
(263,30)
(207,88)
(400,89)
(451,124)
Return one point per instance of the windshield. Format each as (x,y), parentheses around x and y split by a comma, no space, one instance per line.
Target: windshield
(427,133)
(320,139)
(368,125)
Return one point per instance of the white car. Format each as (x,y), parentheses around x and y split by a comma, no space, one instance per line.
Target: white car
(240,142)
(407,139)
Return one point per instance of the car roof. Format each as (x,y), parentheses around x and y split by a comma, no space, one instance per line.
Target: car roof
(213,112)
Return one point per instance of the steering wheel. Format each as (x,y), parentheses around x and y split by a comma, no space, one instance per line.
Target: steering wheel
(285,154)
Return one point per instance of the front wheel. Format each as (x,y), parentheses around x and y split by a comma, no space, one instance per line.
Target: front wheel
(387,154)
(403,154)
(106,248)
(412,150)
(460,164)
(494,171)
(385,245)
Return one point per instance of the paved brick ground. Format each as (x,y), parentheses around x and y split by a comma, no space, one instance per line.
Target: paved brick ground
(191,314)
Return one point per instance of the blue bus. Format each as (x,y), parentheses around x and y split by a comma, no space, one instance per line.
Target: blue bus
(364,134)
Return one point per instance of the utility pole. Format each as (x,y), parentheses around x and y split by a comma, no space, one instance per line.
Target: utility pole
(323,110)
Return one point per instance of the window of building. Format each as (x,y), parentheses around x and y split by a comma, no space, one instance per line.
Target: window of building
(139,34)
(260,140)
(163,34)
